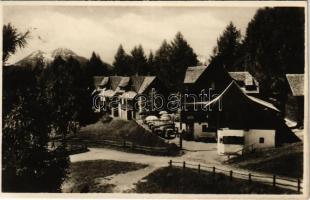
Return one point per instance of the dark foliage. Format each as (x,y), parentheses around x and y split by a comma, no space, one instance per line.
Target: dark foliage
(170,59)
(138,61)
(96,67)
(274,45)
(228,52)
(27,165)
(12,39)
(121,62)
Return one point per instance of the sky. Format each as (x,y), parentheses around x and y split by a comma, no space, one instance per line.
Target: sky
(85,29)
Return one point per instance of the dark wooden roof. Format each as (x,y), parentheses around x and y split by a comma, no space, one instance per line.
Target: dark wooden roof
(296,83)
(114,82)
(97,80)
(193,73)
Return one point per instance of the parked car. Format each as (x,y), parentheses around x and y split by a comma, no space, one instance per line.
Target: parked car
(149,119)
(166,131)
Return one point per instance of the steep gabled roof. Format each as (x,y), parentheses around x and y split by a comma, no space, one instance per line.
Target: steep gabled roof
(136,82)
(124,82)
(233,88)
(296,82)
(193,73)
(97,80)
(146,83)
(104,81)
(114,81)
(243,76)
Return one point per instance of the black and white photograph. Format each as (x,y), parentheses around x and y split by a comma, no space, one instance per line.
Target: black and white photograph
(155,99)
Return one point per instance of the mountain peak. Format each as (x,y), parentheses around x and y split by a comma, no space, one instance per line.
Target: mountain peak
(63,52)
(47,57)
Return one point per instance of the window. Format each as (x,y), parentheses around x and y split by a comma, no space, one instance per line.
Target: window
(233,140)
(261,140)
(204,128)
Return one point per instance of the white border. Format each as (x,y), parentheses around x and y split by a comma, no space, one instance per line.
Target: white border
(304,4)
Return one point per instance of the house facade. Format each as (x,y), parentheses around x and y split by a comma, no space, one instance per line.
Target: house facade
(234,117)
(127,97)
(201,84)
(245,122)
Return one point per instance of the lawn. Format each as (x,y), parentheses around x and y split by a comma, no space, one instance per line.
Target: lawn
(85,176)
(121,130)
(189,181)
(286,160)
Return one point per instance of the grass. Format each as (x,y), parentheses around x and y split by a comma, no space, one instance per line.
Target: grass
(85,176)
(188,181)
(286,161)
(120,130)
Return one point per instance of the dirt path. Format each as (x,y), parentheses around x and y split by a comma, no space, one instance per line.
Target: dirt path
(126,182)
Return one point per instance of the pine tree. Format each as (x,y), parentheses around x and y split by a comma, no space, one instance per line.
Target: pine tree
(138,61)
(151,64)
(95,66)
(227,53)
(121,62)
(182,57)
(274,45)
(163,63)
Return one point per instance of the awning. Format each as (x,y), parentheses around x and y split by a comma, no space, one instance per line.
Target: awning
(109,93)
(129,95)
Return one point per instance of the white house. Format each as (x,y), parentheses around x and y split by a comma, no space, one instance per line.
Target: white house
(231,141)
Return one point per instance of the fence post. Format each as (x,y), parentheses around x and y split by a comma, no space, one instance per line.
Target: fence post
(213,171)
(298,185)
(170,163)
(274,181)
(199,168)
(250,177)
(231,175)
(184,164)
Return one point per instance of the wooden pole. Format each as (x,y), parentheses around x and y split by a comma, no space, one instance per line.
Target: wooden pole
(231,175)
(274,181)
(213,171)
(184,165)
(181,139)
(250,178)
(199,168)
(170,163)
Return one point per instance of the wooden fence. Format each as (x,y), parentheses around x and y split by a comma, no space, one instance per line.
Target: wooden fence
(274,180)
(127,145)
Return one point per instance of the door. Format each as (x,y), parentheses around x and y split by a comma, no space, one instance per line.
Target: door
(190,130)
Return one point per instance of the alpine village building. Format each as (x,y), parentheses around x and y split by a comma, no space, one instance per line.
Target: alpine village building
(232,114)
(126,97)
(216,104)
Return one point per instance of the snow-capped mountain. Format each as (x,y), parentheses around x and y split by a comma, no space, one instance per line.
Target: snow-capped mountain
(48,57)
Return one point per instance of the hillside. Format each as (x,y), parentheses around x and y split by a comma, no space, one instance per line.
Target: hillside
(121,130)
(286,160)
